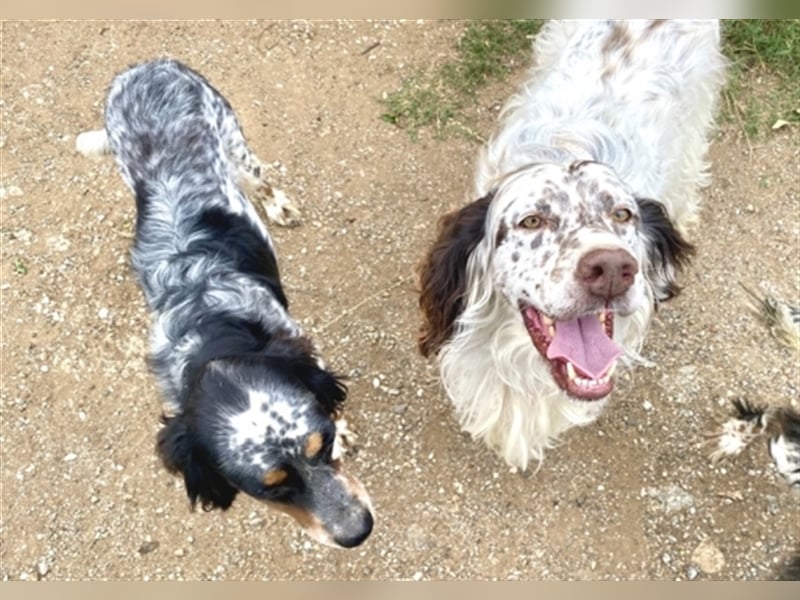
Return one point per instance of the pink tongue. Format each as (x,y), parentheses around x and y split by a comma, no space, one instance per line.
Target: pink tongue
(584,343)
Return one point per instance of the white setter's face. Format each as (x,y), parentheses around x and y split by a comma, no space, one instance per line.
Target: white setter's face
(546,220)
(568,253)
(568,247)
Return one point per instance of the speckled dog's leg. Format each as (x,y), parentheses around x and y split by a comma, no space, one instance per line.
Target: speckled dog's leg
(251,173)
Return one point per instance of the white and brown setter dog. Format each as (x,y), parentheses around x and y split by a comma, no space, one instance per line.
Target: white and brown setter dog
(532,293)
(251,406)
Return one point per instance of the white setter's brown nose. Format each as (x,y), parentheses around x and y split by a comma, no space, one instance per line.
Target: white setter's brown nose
(607,273)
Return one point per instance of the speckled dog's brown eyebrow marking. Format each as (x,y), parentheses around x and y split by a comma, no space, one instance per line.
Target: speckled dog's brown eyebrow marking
(313,444)
(275,476)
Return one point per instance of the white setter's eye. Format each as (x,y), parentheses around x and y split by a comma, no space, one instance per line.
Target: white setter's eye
(531,222)
(621,215)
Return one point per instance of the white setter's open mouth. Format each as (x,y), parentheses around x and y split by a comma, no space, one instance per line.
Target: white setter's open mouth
(581,352)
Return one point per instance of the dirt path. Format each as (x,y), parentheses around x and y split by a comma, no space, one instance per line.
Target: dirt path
(83,495)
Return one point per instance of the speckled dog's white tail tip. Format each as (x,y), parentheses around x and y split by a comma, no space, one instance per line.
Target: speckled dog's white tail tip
(93,144)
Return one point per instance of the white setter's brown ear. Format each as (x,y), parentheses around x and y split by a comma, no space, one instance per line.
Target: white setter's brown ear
(443,273)
(668,252)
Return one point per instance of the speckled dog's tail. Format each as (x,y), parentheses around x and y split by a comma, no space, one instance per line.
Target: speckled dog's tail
(93,144)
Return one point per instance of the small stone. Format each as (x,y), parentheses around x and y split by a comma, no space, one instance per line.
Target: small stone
(692,572)
(671,498)
(42,567)
(376,383)
(11,190)
(399,409)
(179,552)
(70,457)
(708,557)
(148,547)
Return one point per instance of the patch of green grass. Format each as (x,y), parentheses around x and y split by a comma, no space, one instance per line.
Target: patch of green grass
(764,75)
(763,80)
(19,267)
(486,51)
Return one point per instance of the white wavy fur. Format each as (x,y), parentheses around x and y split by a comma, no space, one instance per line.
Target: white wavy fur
(648,118)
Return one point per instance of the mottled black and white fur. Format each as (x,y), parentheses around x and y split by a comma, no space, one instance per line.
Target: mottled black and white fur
(250,405)
(779,426)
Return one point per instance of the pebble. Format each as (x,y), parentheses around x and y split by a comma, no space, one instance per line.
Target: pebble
(42,567)
(11,190)
(708,557)
(148,547)
(671,498)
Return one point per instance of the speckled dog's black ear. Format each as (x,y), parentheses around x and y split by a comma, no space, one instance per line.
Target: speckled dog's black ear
(667,250)
(181,452)
(328,388)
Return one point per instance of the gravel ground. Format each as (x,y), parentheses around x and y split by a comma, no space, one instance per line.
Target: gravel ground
(630,497)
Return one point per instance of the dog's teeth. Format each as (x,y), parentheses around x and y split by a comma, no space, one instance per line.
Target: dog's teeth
(551,331)
(547,321)
(570,371)
(601,316)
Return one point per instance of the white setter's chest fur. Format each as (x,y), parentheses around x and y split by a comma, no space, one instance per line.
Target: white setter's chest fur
(531,293)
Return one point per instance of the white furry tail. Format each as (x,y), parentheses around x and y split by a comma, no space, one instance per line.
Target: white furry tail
(93,144)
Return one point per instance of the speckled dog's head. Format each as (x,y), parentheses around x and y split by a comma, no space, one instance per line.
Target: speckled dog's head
(266,426)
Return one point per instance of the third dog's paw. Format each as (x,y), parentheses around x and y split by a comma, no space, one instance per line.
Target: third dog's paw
(731,438)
